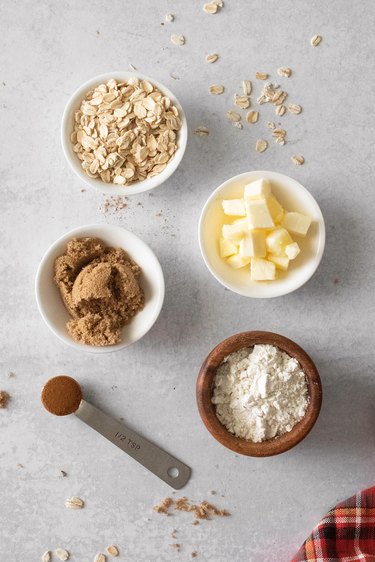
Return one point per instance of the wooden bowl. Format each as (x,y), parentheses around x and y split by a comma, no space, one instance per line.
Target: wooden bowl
(207,410)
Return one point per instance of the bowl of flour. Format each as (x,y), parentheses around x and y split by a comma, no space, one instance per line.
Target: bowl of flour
(259,393)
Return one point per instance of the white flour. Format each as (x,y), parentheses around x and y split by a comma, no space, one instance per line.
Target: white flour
(260,393)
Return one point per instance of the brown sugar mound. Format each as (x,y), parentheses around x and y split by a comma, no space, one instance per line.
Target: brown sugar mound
(100,289)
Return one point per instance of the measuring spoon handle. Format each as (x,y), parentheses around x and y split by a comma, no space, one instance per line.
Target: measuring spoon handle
(156,460)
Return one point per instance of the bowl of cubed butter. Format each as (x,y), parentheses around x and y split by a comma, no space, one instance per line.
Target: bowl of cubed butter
(262,234)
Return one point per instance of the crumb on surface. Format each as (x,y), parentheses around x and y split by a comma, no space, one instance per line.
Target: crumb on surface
(163,506)
(194,554)
(4,399)
(202,510)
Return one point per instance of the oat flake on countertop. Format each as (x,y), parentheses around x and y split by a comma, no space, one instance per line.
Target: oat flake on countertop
(261,145)
(298,160)
(260,393)
(201,132)
(315,40)
(62,554)
(112,550)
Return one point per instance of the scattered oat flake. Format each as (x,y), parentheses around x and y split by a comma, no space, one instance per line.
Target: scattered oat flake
(169,18)
(4,398)
(278,132)
(100,557)
(242,101)
(62,554)
(294,108)
(280,110)
(298,159)
(233,116)
(216,89)
(271,125)
(46,557)
(195,522)
(261,145)
(212,58)
(112,550)
(238,125)
(315,40)
(252,117)
(201,132)
(284,71)
(279,97)
(178,39)
(74,503)
(219,3)
(261,76)
(210,8)
(247,87)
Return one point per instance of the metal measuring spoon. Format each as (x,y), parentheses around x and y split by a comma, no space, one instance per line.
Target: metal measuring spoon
(62,395)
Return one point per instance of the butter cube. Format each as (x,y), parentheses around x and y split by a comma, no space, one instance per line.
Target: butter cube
(281,262)
(235,231)
(277,240)
(242,222)
(296,223)
(253,245)
(227,248)
(276,210)
(234,207)
(262,270)
(292,250)
(258,189)
(238,261)
(258,214)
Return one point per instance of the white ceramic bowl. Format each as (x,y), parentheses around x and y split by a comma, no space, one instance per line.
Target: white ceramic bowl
(51,305)
(294,197)
(110,188)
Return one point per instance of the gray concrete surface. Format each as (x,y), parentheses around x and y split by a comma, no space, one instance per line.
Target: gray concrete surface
(48,49)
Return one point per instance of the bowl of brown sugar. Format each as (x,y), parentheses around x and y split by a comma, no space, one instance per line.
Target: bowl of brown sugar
(99,288)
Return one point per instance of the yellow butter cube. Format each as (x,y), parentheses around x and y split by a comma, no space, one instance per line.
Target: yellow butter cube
(296,223)
(234,207)
(258,214)
(277,240)
(238,261)
(235,231)
(292,250)
(253,245)
(276,210)
(262,270)
(227,248)
(281,262)
(258,189)
(243,223)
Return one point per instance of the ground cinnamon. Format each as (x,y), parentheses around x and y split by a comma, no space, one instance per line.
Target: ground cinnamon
(61,395)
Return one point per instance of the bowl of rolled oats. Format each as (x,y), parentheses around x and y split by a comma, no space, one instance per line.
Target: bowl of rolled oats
(123,133)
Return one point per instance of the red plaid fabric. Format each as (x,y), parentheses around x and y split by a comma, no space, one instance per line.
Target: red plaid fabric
(345,534)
